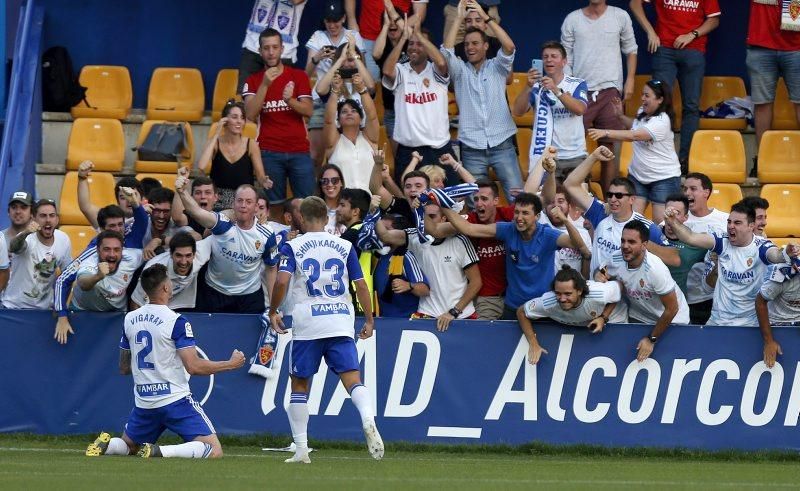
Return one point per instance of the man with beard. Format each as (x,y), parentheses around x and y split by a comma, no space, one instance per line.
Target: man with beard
(183,261)
(204,192)
(759,206)
(575,302)
(38,251)
(89,209)
(653,296)
(280,97)
(743,260)
(161,228)
(353,207)
(19,213)
(239,249)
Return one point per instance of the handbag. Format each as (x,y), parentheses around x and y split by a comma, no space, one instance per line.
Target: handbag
(165,142)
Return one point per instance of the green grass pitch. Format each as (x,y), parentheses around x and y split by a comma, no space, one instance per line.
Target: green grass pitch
(30,462)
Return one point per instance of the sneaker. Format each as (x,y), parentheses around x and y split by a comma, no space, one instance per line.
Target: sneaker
(374,441)
(99,446)
(149,450)
(299,458)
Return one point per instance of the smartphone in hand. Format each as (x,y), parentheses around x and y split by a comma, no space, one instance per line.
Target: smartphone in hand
(538,65)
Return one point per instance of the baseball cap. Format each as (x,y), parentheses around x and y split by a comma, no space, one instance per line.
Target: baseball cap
(23,197)
(334,10)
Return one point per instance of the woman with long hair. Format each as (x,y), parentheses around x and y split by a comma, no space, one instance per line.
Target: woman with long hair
(331,183)
(655,170)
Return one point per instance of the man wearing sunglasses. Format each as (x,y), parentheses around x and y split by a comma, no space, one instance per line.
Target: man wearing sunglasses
(608,219)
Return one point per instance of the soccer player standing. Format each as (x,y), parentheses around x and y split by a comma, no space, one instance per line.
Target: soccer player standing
(162,344)
(322,265)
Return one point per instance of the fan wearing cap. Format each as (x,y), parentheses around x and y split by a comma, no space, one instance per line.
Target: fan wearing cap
(19,214)
(38,251)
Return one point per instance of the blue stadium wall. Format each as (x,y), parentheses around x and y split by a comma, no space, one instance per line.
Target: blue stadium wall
(207,34)
(703,388)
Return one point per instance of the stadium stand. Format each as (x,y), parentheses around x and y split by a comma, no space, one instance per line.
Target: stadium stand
(719,154)
(517,85)
(166,180)
(79,236)
(383,140)
(778,157)
(224,89)
(784,116)
(716,90)
(109,92)
(159,167)
(524,136)
(101,187)
(724,195)
(99,140)
(176,94)
(784,208)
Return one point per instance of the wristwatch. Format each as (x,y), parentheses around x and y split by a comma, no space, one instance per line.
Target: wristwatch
(560,92)
(696,34)
(652,339)
(454,312)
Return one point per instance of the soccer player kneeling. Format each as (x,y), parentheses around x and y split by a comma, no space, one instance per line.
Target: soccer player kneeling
(322,266)
(162,344)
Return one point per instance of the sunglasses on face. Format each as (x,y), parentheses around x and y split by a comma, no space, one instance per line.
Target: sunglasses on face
(609,194)
(330,180)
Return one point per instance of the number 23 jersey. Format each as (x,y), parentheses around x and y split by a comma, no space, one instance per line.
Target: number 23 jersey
(322,266)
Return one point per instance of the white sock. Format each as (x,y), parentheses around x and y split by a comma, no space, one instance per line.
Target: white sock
(298,419)
(363,402)
(188,450)
(117,446)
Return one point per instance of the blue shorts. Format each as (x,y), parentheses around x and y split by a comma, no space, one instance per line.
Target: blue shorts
(656,191)
(340,354)
(184,417)
(765,66)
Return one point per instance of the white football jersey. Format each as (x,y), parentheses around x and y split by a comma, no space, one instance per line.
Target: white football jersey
(589,309)
(644,287)
(715,223)
(741,272)
(184,288)
(154,334)
(30,285)
(110,293)
(237,256)
(322,267)
(782,290)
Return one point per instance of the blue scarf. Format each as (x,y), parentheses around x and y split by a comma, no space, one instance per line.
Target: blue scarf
(367,237)
(444,198)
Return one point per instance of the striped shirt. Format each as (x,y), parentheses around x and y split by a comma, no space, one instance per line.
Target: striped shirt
(484,118)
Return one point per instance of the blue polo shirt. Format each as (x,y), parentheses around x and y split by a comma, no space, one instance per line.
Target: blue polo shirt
(529,264)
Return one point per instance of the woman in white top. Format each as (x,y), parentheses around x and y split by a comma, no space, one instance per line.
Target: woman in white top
(331,184)
(347,145)
(655,170)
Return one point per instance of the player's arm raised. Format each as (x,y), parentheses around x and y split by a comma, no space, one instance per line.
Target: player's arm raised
(205,218)
(574,181)
(684,234)
(199,366)
(476,230)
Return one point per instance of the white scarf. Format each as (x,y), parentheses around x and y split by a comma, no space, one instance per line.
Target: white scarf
(542,125)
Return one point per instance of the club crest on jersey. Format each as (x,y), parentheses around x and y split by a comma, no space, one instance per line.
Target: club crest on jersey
(426,82)
(258,244)
(794,9)
(593,314)
(188,328)
(641,282)
(125,277)
(749,261)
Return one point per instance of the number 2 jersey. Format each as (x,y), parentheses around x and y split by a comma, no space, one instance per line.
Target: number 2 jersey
(154,334)
(322,266)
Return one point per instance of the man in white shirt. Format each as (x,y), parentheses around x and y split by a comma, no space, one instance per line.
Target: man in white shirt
(743,260)
(778,303)
(102,281)
(653,296)
(420,85)
(567,98)
(600,32)
(697,188)
(556,214)
(239,249)
(37,252)
(451,265)
(184,260)
(759,206)
(575,302)
(283,16)
(19,214)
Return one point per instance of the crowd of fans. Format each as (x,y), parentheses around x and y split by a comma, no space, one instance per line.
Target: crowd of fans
(433,239)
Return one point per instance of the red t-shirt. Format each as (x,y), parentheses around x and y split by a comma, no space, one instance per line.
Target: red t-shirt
(765,31)
(282,129)
(371,19)
(677,17)
(492,255)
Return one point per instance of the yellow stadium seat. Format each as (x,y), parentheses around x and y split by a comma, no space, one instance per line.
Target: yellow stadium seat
(383,142)
(452,105)
(176,94)
(596,190)
(719,154)
(716,90)
(784,209)
(378,100)
(779,157)
(517,85)
(224,89)
(524,136)
(625,158)
(98,140)
(79,237)
(784,116)
(108,92)
(166,180)
(783,241)
(158,167)
(250,130)
(724,195)
(101,188)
